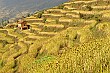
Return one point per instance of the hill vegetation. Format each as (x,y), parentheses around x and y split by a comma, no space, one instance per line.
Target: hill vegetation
(14,9)
(70,38)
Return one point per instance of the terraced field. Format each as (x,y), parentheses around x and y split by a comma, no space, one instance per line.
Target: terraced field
(70,38)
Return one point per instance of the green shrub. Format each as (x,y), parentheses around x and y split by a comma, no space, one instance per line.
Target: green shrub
(96,17)
(4,22)
(28,15)
(61,7)
(44,59)
(3,43)
(89,8)
(44,20)
(39,15)
(57,21)
(1,64)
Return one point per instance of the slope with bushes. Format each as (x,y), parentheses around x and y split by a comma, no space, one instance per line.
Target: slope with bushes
(69,38)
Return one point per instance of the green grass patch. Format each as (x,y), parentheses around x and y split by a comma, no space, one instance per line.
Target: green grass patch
(45,59)
(1,64)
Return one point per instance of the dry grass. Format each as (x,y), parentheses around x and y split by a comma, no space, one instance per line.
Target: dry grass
(75,59)
(47,33)
(24,47)
(53,15)
(34,20)
(63,39)
(28,32)
(2,35)
(46,15)
(31,17)
(63,19)
(101,7)
(37,23)
(54,25)
(53,10)
(50,20)
(65,11)
(86,12)
(69,8)
(87,2)
(106,17)
(71,15)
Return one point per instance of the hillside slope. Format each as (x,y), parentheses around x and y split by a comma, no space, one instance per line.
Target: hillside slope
(70,38)
(9,8)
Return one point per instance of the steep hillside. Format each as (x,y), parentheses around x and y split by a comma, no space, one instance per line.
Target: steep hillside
(70,38)
(9,8)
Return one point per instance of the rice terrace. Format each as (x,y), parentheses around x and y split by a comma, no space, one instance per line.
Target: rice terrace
(73,37)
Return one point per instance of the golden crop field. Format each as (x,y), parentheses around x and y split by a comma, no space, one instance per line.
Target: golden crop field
(73,37)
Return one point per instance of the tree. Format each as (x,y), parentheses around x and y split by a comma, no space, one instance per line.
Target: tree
(39,15)
(4,22)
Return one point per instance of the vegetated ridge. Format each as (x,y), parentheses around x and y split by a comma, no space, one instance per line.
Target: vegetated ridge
(11,9)
(70,38)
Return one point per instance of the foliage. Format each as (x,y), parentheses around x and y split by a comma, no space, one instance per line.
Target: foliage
(4,42)
(61,7)
(1,64)
(45,58)
(4,22)
(44,20)
(79,59)
(28,15)
(39,14)
(81,46)
(89,8)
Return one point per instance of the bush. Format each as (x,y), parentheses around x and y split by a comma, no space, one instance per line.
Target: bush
(8,40)
(44,20)
(1,64)
(89,8)
(39,15)
(28,15)
(4,43)
(4,22)
(44,59)
(61,7)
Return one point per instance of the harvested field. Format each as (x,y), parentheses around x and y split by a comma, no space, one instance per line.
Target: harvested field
(73,37)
